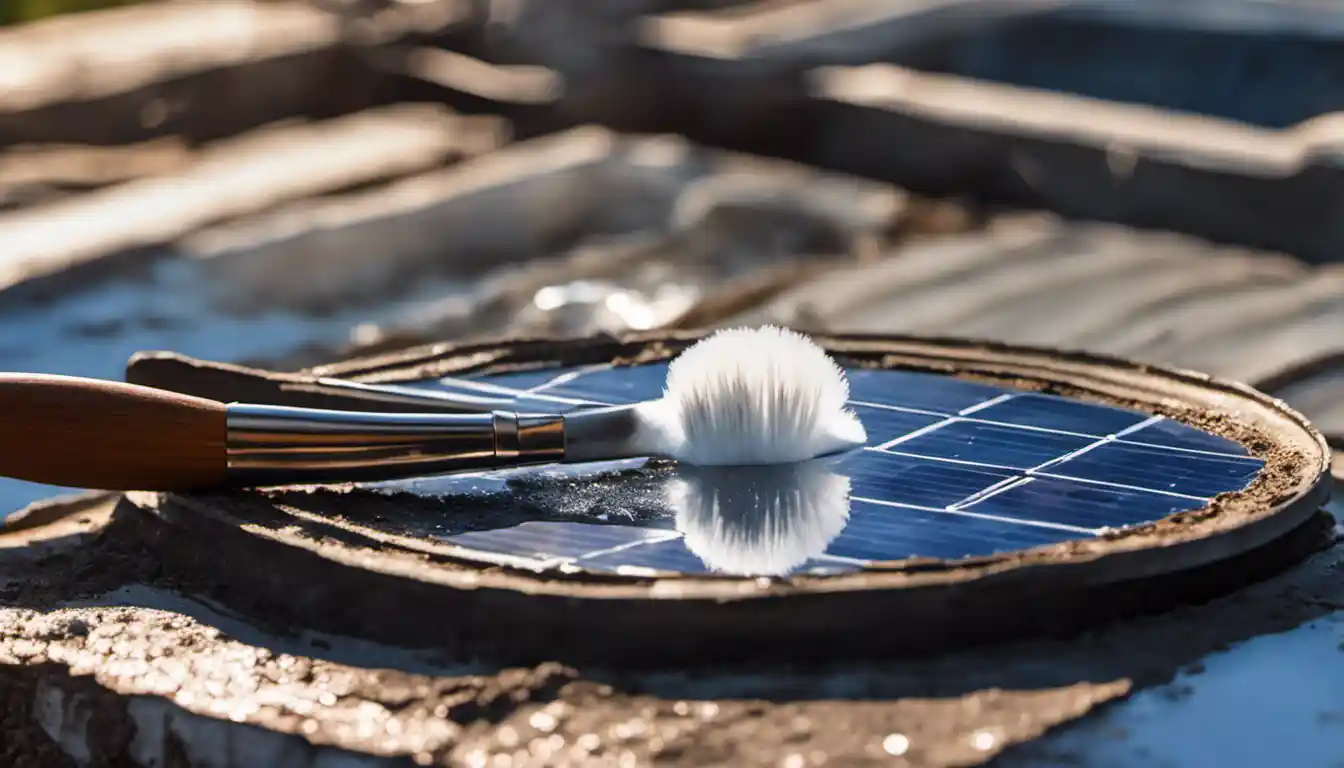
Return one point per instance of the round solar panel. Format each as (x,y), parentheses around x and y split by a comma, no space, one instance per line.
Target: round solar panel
(1003,491)
(952,469)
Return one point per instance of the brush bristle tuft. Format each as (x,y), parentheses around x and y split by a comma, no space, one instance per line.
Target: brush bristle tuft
(757,396)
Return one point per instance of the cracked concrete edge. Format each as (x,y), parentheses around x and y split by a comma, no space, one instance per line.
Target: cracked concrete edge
(140,679)
(326,716)
(137,678)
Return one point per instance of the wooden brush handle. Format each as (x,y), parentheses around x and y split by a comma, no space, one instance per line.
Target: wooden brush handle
(106,435)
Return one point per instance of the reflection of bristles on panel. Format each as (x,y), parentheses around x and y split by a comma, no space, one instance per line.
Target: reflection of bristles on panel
(759,521)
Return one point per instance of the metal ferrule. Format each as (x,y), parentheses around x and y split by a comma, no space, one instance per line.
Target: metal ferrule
(276,445)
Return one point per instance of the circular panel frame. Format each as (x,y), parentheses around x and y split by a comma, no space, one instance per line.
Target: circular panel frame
(343,576)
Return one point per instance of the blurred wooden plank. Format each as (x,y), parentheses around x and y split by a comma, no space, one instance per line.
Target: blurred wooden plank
(238,177)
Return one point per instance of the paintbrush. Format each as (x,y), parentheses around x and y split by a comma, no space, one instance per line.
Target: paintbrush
(739,397)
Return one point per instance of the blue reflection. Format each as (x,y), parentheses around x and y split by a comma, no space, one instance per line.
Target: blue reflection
(954,469)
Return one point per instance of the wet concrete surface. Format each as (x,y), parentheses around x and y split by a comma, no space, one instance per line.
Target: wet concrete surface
(1274,698)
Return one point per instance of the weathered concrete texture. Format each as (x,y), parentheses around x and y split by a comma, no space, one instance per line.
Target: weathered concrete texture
(177,686)
(102,661)
(125,679)
(816,81)
(1035,279)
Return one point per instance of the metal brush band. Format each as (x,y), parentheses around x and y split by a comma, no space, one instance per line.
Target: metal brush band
(276,445)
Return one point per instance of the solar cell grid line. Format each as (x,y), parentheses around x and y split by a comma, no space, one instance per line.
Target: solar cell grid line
(952,536)
(496,389)
(1095,444)
(1065,501)
(1191,437)
(884,422)
(524,380)
(1179,431)
(990,403)
(1053,461)
(1242,454)
(979,406)
(1052,412)
(987,403)
(1173,434)
(554,543)
(951,419)
(1003,485)
(627,545)
(1010,483)
(568,376)
(1126,464)
(952,509)
(1088,480)
(665,555)
(1124,486)
(985,443)
(966,418)
(904,416)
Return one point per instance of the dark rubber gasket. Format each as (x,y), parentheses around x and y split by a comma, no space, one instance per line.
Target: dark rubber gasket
(329,573)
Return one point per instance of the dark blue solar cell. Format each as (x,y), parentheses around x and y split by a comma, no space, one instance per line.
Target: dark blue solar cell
(968,483)
(522,401)
(880,532)
(527,379)
(547,540)
(1177,435)
(671,555)
(543,403)
(617,385)
(1159,469)
(991,444)
(1048,412)
(674,556)
(885,424)
(1084,505)
(922,391)
(916,481)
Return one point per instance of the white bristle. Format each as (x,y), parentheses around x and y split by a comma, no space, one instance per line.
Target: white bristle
(755,396)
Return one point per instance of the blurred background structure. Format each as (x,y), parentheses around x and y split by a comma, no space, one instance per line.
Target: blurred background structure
(287,183)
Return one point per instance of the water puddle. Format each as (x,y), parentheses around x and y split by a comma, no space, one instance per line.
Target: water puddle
(1275,700)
